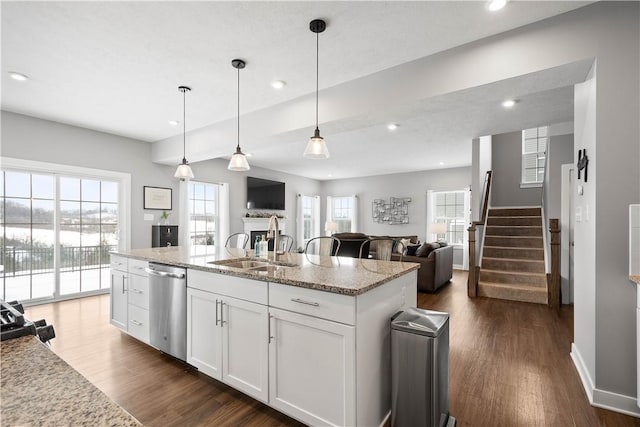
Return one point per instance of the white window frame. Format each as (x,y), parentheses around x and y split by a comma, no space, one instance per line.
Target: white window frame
(124,205)
(216,216)
(301,241)
(353,214)
(541,133)
(431,218)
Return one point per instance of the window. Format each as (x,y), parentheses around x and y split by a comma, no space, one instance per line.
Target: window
(308,218)
(449,208)
(203,212)
(56,229)
(534,145)
(343,212)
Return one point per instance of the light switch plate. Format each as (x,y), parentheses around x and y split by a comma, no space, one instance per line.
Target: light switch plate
(148,217)
(578,213)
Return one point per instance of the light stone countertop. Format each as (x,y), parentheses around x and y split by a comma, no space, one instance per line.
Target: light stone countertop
(40,389)
(349,276)
(635,279)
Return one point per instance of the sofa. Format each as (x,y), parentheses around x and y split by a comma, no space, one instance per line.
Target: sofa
(435,259)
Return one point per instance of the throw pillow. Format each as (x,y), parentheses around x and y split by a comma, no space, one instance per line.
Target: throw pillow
(442,243)
(422,249)
(402,248)
(411,250)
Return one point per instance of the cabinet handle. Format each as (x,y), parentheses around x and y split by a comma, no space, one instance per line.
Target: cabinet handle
(222,321)
(301,301)
(270,336)
(135,322)
(136,291)
(137,267)
(216,312)
(123,287)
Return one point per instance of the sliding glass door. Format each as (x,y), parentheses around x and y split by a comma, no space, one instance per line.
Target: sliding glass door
(56,234)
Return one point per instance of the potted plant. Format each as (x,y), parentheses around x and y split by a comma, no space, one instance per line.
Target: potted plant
(165,217)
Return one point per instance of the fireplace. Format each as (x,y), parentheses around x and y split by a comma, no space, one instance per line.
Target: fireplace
(258,226)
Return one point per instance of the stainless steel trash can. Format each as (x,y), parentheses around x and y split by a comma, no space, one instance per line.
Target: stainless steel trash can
(420,369)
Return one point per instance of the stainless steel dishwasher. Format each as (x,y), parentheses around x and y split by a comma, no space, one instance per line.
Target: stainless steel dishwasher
(168,309)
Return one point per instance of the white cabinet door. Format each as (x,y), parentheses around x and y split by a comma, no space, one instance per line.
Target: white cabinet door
(312,374)
(203,332)
(245,347)
(119,299)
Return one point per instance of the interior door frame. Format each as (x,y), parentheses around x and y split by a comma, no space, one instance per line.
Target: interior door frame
(567,199)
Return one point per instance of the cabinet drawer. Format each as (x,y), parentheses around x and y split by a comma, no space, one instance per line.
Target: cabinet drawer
(139,323)
(137,266)
(237,287)
(325,305)
(118,263)
(139,291)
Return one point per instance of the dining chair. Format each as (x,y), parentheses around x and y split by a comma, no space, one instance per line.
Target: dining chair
(237,240)
(323,245)
(384,249)
(285,242)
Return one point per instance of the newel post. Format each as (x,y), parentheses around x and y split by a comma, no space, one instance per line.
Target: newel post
(554,298)
(472,283)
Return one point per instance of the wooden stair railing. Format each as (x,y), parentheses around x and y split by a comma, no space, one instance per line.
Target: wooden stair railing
(474,268)
(553,278)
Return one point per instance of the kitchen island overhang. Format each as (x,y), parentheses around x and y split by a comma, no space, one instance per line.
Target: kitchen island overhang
(307,335)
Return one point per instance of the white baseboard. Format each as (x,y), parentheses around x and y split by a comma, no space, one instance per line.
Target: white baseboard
(627,405)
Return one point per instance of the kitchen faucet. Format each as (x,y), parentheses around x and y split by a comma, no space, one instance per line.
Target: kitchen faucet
(273,234)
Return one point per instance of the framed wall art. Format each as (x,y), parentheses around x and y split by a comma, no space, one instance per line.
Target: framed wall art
(157,198)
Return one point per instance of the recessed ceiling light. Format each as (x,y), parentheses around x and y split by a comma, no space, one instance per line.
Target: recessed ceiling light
(174,122)
(441,163)
(392,126)
(17,76)
(495,5)
(508,103)
(329,175)
(278,84)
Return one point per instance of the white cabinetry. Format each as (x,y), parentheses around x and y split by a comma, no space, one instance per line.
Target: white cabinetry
(118,307)
(130,297)
(138,300)
(312,373)
(227,330)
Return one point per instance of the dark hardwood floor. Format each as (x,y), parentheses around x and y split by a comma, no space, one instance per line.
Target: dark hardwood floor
(509,366)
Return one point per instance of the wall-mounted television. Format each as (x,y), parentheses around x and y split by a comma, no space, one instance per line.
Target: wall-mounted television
(265,194)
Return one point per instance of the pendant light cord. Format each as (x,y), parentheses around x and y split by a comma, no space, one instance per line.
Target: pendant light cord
(184,126)
(238,146)
(317,74)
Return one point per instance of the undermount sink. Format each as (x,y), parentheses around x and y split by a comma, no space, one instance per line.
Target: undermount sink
(253,265)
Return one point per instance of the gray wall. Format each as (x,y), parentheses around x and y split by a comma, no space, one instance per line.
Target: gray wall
(560,152)
(480,164)
(506,154)
(29,138)
(413,184)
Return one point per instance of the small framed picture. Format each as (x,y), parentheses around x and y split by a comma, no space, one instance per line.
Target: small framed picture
(157,198)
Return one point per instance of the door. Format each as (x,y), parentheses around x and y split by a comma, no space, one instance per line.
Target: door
(204,335)
(566,233)
(245,347)
(119,299)
(312,368)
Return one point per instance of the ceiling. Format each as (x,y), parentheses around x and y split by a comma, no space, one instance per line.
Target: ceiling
(115,67)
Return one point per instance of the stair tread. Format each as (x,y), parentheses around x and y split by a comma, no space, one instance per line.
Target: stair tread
(515,226)
(517,237)
(519,286)
(513,259)
(511,248)
(518,273)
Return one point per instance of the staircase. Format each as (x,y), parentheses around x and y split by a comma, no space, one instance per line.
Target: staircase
(513,256)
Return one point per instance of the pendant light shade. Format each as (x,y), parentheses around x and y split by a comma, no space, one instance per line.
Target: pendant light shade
(316,147)
(184,172)
(238,161)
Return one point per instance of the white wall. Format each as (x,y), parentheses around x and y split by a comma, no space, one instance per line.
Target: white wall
(29,138)
(413,184)
(481,163)
(559,152)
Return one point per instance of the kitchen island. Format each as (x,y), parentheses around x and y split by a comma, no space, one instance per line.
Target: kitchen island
(307,335)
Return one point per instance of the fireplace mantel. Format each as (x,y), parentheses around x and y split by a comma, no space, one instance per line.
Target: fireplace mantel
(262,224)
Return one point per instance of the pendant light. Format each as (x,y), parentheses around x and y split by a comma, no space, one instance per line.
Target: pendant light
(238,161)
(184,170)
(316,148)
